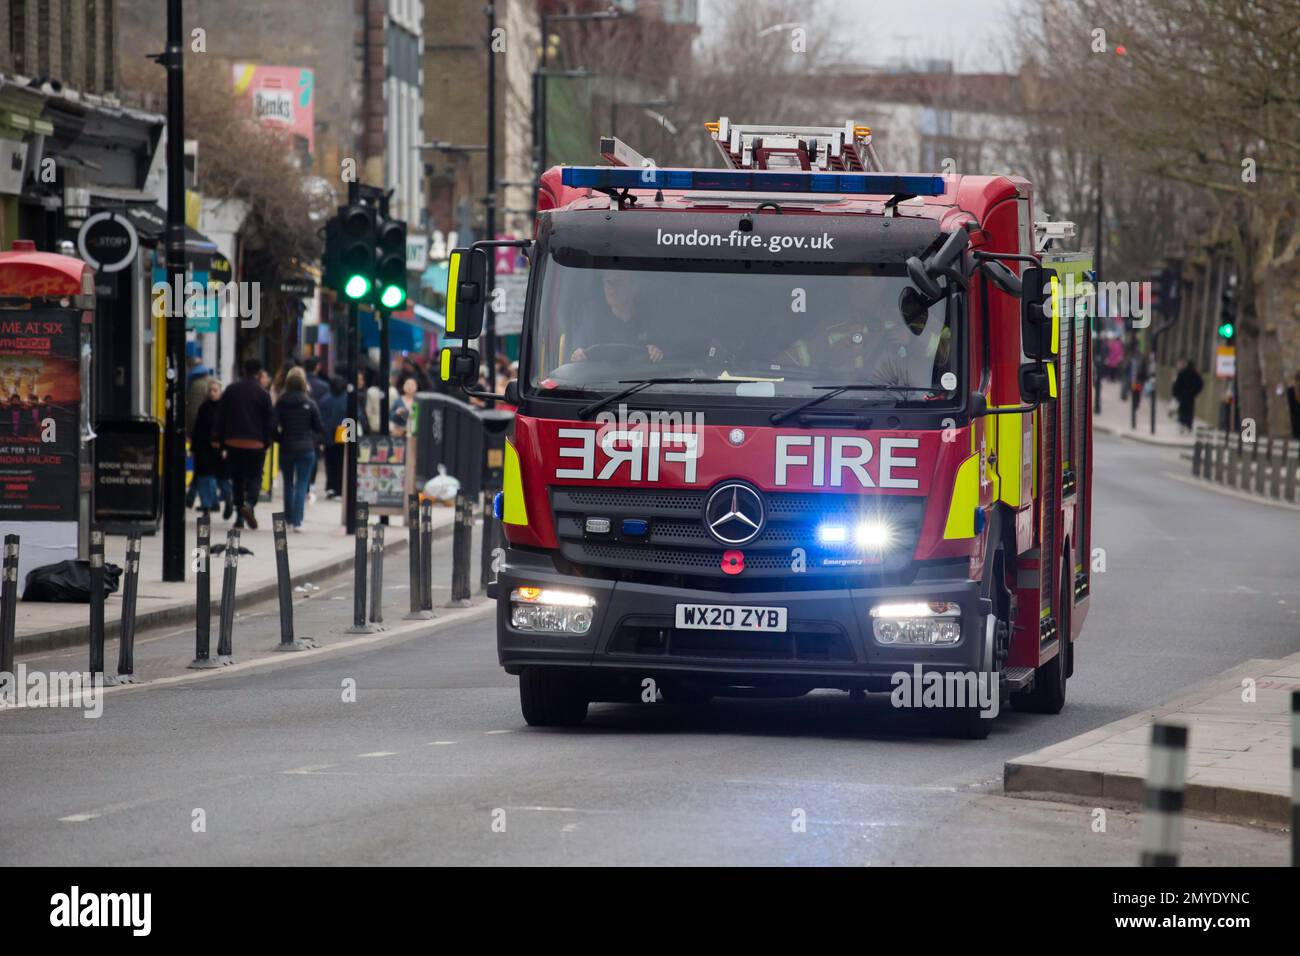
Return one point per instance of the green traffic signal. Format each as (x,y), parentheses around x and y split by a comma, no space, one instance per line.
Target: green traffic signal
(392,297)
(1227,330)
(356,287)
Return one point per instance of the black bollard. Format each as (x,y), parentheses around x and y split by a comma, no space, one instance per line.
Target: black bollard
(1295,778)
(426,558)
(203,597)
(130,588)
(8,611)
(461,552)
(360,576)
(226,629)
(491,540)
(288,642)
(377,577)
(97,607)
(413,552)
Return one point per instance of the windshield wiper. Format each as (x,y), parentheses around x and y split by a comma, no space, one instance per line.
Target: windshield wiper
(836,390)
(640,384)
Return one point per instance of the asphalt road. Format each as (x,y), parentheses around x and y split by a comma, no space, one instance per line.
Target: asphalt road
(432,762)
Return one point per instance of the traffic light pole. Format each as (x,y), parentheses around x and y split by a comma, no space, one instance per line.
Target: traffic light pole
(354,418)
(173,464)
(490,213)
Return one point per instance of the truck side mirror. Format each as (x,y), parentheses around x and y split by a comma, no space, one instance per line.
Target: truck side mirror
(1037,382)
(512,392)
(466,281)
(921,279)
(1040,312)
(459,366)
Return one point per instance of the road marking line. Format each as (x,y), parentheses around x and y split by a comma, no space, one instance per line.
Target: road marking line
(78,817)
(439,743)
(498,731)
(310,768)
(380,753)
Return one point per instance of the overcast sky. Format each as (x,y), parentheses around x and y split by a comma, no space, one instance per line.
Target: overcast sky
(886,31)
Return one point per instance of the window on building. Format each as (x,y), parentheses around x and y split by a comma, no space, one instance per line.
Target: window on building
(92,49)
(43,38)
(18,34)
(65,42)
(110,46)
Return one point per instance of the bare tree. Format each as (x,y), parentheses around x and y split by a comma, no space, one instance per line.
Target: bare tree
(1203,105)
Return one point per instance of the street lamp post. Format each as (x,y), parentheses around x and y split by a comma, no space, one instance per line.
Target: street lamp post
(543,71)
(173,464)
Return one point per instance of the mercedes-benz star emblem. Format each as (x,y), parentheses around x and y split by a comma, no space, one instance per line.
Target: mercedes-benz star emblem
(733,514)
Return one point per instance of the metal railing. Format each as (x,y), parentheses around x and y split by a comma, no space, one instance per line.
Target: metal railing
(1267,467)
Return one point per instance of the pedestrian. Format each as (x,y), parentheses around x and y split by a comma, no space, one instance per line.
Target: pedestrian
(317,384)
(1135,379)
(400,415)
(196,383)
(371,397)
(206,452)
(332,412)
(1187,385)
(1293,403)
(300,430)
(246,428)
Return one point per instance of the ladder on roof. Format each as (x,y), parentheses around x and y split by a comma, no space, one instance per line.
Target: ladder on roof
(844,148)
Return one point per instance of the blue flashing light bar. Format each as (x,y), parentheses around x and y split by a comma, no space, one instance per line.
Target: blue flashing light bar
(739,180)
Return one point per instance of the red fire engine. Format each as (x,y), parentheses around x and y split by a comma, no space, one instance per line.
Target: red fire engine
(793,423)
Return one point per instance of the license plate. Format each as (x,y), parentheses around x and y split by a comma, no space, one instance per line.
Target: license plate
(729,617)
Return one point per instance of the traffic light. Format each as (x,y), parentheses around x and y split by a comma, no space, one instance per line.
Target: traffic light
(356,259)
(390,269)
(1228,315)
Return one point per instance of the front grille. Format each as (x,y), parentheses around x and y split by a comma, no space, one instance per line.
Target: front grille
(677,542)
(811,641)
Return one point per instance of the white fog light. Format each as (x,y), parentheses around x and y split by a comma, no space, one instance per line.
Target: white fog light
(556,612)
(920,623)
(873,535)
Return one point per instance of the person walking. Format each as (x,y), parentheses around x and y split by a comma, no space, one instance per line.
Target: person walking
(208,466)
(332,412)
(1293,404)
(1187,385)
(245,428)
(300,431)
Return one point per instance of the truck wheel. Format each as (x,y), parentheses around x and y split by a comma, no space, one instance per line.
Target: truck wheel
(1047,696)
(550,698)
(966,722)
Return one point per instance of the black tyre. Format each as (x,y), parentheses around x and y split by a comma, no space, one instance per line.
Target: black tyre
(967,723)
(1047,696)
(551,698)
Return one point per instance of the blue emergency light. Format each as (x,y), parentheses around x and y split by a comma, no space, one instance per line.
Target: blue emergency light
(739,180)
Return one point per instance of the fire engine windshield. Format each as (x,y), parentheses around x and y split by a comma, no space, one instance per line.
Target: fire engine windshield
(789,328)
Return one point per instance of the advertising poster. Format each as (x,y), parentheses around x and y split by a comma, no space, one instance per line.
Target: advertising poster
(283,97)
(381,471)
(40,404)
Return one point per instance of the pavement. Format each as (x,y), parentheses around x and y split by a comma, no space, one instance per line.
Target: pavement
(408,747)
(1116,419)
(1238,753)
(323,548)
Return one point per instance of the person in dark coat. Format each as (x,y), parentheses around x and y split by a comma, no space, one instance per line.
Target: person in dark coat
(333,410)
(1187,385)
(245,427)
(298,425)
(209,468)
(1293,404)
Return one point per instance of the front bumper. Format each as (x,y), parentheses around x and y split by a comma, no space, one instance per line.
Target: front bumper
(828,641)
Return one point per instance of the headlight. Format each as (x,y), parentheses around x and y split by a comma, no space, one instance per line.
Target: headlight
(873,535)
(557,612)
(917,623)
(870,535)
